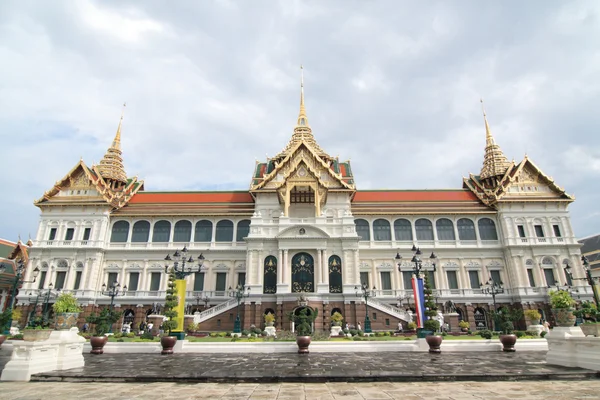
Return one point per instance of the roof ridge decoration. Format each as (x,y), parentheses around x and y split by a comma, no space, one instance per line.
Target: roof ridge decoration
(495,163)
(111,166)
(302,131)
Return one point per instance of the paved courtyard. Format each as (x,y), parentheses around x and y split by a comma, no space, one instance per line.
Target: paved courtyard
(537,390)
(316,367)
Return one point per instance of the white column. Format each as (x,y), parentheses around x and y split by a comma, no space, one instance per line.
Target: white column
(257,266)
(280,267)
(356,273)
(374,278)
(143,276)
(319,271)
(325,272)
(286,268)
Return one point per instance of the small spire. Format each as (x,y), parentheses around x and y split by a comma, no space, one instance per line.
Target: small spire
(495,162)
(302,118)
(117,142)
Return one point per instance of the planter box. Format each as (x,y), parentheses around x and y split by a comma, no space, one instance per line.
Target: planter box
(65,321)
(590,329)
(36,335)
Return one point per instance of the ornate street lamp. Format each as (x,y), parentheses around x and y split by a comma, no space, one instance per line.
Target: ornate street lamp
(46,310)
(239,293)
(494,288)
(18,280)
(591,280)
(418,265)
(113,291)
(366,293)
(206,300)
(182,267)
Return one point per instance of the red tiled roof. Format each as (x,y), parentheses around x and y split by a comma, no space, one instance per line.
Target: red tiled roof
(191,197)
(414,195)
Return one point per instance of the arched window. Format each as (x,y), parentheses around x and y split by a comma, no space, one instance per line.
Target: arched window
(162,232)
(270,276)
(140,232)
(183,231)
(487,229)
(381,230)
(480,317)
(362,229)
(335,274)
(224,231)
(120,232)
(203,232)
(243,229)
(445,229)
(424,229)
(466,229)
(403,230)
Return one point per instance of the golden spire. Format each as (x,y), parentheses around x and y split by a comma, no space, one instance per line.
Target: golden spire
(495,162)
(302,131)
(111,165)
(302,118)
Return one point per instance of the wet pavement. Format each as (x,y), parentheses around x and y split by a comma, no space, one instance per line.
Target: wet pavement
(536,390)
(312,368)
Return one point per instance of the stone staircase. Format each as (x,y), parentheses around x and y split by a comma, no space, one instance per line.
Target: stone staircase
(390,310)
(213,311)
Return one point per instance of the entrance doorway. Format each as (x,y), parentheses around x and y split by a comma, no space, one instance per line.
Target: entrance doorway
(303,273)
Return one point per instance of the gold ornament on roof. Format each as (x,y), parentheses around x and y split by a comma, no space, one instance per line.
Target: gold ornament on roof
(495,162)
(302,131)
(111,165)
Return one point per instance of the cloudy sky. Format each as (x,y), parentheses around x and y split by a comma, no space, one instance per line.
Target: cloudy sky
(211,86)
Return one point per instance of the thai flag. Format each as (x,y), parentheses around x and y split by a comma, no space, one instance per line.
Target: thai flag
(417,284)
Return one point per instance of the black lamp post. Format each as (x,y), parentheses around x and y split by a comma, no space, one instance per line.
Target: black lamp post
(366,293)
(591,280)
(46,309)
(113,291)
(182,265)
(205,300)
(18,280)
(416,259)
(494,288)
(239,293)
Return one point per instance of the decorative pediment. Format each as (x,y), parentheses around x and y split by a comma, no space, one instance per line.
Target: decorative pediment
(494,264)
(451,265)
(134,266)
(113,266)
(364,265)
(303,232)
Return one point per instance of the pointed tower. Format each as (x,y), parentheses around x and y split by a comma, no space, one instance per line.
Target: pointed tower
(495,162)
(111,166)
(302,131)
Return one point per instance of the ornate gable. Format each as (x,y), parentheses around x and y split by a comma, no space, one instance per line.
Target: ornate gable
(522,182)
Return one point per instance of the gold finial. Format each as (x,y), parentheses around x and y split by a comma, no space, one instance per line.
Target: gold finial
(111,165)
(302,118)
(117,142)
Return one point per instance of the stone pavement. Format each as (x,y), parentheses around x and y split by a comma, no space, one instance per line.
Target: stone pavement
(317,367)
(538,390)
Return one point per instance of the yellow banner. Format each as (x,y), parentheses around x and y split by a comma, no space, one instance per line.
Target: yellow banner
(180,287)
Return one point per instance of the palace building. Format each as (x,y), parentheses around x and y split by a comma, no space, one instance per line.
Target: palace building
(303,228)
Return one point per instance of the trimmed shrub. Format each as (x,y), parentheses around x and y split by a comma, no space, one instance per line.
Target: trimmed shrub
(486,334)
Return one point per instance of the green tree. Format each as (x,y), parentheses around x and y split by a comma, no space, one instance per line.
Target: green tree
(171,302)
(430,307)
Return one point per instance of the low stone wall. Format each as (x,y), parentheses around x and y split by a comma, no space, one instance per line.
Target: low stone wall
(569,347)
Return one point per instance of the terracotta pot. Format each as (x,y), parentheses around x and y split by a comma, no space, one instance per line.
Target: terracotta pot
(564,317)
(303,342)
(508,342)
(2,339)
(434,342)
(167,343)
(98,343)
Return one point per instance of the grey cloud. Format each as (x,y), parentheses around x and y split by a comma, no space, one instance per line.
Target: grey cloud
(210,86)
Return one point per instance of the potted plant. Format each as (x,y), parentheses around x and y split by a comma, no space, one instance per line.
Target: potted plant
(562,305)
(37,330)
(464,326)
(411,326)
(591,317)
(303,322)
(534,316)
(506,318)
(66,310)
(336,319)
(167,341)
(16,317)
(102,323)
(269,319)
(431,326)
